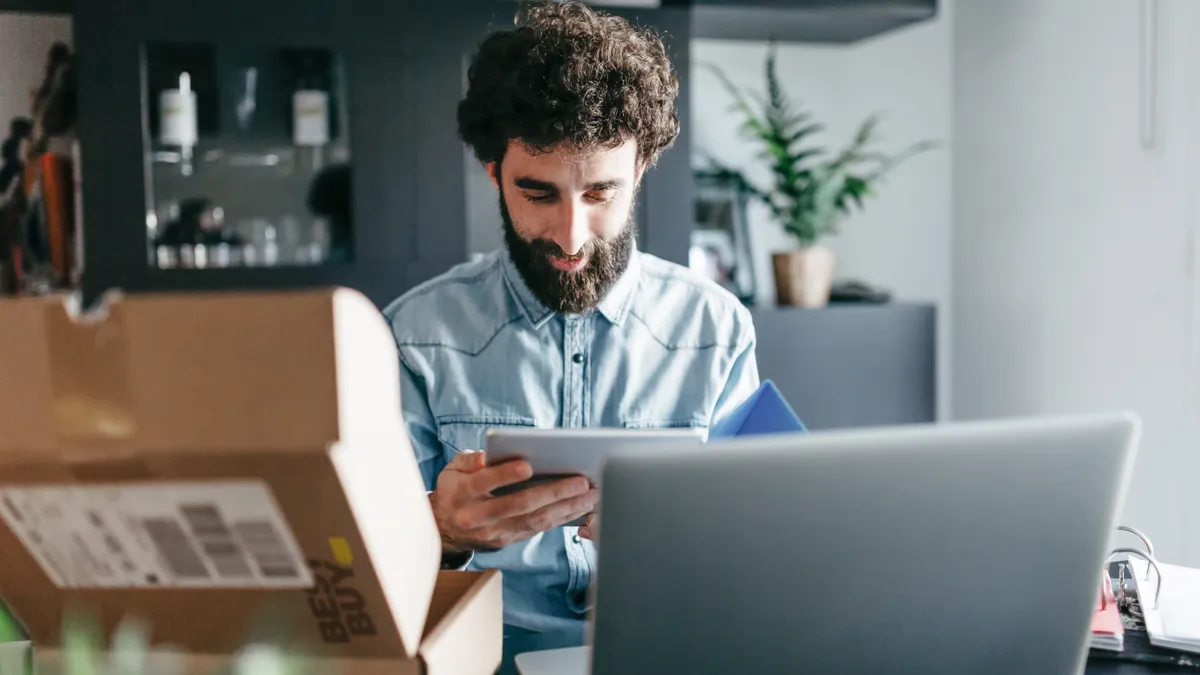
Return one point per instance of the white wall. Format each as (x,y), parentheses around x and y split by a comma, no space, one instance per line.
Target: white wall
(902,240)
(25,40)
(1074,248)
(1068,282)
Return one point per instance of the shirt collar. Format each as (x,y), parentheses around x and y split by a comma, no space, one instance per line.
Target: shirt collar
(614,306)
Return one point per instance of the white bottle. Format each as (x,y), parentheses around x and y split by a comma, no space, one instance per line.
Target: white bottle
(177,114)
(310,117)
(270,252)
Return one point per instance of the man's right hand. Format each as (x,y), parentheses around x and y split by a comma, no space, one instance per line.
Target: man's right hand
(470,518)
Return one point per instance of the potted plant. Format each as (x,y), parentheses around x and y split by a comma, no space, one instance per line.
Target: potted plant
(810,191)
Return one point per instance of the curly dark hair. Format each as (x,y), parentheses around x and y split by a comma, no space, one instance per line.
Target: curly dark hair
(569,74)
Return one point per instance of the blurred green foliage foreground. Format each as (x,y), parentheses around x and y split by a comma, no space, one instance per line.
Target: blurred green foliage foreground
(129,652)
(9,632)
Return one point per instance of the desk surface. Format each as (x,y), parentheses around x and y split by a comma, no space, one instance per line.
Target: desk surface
(1099,664)
(1117,668)
(537,642)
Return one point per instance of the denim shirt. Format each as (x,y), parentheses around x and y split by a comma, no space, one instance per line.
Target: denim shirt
(664,348)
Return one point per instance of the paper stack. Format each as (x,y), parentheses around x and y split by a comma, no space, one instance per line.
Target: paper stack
(1108,633)
(1170,599)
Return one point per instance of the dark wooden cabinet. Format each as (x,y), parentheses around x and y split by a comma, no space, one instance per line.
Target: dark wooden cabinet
(38,6)
(403,75)
(817,21)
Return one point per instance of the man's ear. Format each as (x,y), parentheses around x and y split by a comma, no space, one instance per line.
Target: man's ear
(493,169)
(638,171)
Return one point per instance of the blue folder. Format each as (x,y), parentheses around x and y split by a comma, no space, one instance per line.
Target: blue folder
(765,412)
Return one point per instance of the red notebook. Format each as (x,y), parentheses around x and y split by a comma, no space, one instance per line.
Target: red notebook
(1108,632)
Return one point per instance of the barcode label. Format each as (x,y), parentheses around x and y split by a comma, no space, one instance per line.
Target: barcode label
(267,547)
(208,527)
(203,534)
(175,549)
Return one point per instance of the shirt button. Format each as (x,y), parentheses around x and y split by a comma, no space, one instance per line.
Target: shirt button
(578,358)
(577,539)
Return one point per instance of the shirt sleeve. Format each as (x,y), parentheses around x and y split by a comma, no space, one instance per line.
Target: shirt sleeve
(422,428)
(743,379)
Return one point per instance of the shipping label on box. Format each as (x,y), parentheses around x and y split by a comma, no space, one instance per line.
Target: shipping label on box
(161,534)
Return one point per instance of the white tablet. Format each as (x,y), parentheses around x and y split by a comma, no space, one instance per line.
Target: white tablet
(556,453)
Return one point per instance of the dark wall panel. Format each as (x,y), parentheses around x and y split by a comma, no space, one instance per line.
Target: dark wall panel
(404,65)
(852,365)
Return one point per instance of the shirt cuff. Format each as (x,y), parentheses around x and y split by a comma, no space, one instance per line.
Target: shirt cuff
(458,561)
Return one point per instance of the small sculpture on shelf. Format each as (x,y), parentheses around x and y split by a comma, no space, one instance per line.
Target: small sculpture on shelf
(720,240)
(811,192)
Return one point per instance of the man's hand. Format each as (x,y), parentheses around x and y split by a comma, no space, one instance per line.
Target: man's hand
(471,519)
(588,529)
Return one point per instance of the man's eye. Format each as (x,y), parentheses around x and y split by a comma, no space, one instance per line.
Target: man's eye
(599,197)
(539,196)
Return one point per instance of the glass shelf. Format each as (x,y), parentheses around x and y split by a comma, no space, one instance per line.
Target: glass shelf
(247,157)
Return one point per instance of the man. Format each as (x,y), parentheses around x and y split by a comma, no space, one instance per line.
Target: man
(569,326)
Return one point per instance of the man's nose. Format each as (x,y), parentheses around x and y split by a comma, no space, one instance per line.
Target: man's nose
(572,232)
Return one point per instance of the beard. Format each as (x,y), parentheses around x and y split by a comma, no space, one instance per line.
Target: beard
(569,292)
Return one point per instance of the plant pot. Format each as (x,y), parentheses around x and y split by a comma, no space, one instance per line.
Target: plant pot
(803,276)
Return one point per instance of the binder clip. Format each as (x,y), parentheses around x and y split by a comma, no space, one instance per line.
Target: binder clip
(1121,598)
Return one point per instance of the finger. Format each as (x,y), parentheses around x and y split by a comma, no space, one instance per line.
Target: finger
(530,500)
(559,513)
(487,479)
(545,518)
(467,461)
(588,529)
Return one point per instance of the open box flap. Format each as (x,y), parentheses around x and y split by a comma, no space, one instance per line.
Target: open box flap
(465,632)
(168,373)
(378,468)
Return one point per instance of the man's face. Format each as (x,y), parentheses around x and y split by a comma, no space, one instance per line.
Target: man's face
(568,219)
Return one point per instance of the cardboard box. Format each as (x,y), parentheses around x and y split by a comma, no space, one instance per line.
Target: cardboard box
(216,463)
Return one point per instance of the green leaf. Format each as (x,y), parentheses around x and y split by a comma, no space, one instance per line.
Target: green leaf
(80,644)
(798,157)
(895,161)
(759,99)
(726,172)
(10,631)
(261,659)
(739,99)
(804,132)
(130,645)
(809,192)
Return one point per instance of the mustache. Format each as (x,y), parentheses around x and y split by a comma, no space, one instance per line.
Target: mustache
(550,249)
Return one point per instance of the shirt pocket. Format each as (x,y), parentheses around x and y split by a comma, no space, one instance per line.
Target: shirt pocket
(698,425)
(656,423)
(469,432)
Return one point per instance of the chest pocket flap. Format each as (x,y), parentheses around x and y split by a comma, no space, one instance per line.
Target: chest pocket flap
(469,432)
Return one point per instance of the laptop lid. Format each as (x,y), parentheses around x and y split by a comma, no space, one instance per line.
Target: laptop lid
(968,547)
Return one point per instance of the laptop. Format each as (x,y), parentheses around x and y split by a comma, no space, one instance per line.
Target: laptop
(943,549)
